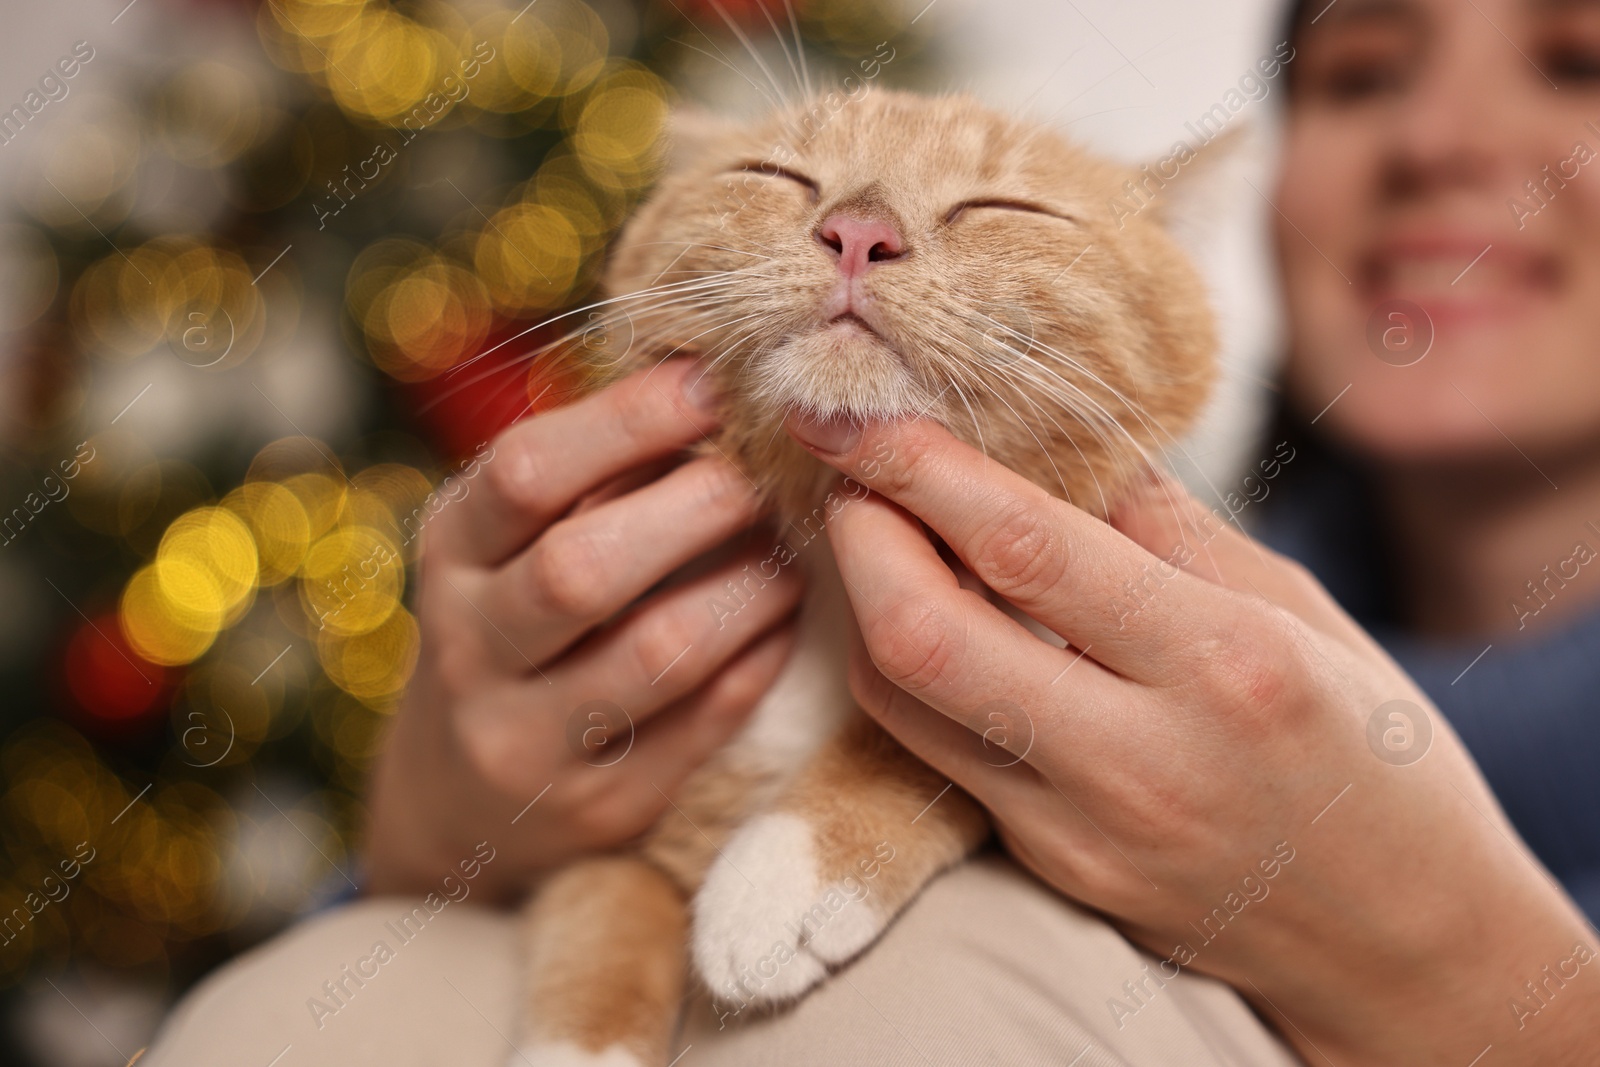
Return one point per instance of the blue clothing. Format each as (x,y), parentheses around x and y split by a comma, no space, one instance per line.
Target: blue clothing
(1528,710)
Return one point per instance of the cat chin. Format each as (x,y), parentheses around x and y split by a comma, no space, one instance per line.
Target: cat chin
(837,372)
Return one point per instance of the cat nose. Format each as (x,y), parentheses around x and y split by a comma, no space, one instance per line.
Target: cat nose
(860,243)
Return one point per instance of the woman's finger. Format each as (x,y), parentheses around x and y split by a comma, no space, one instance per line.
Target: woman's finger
(674,642)
(539,468)
(948,646)
(666,648)
(618,770)
(1057,563)
(682,737)
(991,764)
(589,566)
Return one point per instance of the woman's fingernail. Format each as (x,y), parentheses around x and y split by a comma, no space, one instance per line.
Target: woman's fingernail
(833,435)
(699,390)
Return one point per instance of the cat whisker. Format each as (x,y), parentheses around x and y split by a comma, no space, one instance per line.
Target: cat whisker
(699,244)
(1077,391)
(1043,450)
(777,35)
(661,302)
(799,48)
(1153,425)
(749,46)
(729,347)
(777,104)
(687,317)
(971,414)
(638,294)
(1064,392)
(1137,411)
(714,329)
(1091,417)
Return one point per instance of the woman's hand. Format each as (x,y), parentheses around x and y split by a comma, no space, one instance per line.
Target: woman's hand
(530,610)
(1213,760)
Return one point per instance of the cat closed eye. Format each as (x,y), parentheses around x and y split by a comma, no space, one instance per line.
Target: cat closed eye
(1003,204)
(768,170)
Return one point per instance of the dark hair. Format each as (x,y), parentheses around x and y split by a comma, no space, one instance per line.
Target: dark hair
(1295,20)
(1296,13)
(1283,422)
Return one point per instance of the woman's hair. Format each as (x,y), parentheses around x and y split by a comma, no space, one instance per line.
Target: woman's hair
(1296,14)
(1284,423)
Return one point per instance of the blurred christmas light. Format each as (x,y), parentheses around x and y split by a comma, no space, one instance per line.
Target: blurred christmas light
(160,630)
(196,297)
(529,66)
(618,131)
(352,580)
(107,675)
(528,257)
(426,319)
(321,497)
(375,664)
(385,64)
(207,561)
(278,525)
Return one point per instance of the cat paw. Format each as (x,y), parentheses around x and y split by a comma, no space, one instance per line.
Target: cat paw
(566,1054)
(765,924)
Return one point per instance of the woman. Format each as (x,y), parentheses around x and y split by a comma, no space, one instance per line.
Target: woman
(1237,739)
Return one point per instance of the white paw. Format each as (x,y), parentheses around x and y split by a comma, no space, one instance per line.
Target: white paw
(566,1054)
(765,928)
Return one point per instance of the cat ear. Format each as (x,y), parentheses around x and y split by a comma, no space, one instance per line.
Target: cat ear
(1188,189)
(693,133)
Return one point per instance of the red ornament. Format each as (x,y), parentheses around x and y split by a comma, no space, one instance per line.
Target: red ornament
(510,378)
(110,681)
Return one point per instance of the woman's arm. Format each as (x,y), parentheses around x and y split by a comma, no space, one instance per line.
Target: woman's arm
(1197,762)
(530,610)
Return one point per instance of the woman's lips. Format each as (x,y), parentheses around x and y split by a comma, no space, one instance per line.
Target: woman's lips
(1461,278)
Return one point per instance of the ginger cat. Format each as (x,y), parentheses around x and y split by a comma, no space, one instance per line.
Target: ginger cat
(901,255)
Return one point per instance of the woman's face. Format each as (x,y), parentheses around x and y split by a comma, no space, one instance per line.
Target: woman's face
(1406,209)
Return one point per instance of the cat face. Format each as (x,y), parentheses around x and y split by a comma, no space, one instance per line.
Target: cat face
(904,255)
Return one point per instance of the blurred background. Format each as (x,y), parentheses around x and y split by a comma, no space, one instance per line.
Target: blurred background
(246,247)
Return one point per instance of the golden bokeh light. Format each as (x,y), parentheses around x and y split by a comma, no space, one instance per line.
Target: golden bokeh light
(203,579)
(278,524)
(381,65)
(528,257)
(559,183)
(403,493)
(384,64)
(527,66)
(352,580)
(582,39)
(372,666)
(197,298)
(617,133)
(321,499)
(207,562)
(426,319)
